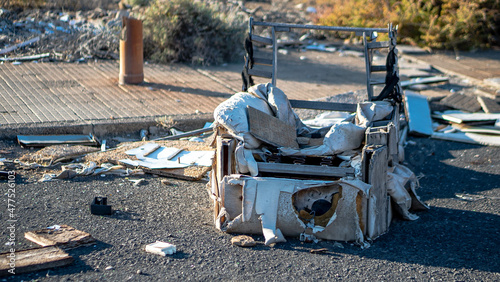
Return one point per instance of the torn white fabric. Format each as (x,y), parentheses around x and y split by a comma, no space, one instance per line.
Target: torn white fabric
(396,181)
(341,137)
(411,185)
(245,162)
(267,208)
(232,114)
(368,112)
(280,106)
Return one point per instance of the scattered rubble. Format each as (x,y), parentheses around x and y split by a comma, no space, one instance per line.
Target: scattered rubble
(243,241)
(67,36)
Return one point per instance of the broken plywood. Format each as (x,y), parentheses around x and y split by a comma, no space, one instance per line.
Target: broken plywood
(460,117)
(374,172)
(271,130)
(189,173)
(461,102)
(34,260)
(48,140)
(470,138)
(489,106)
(59,235)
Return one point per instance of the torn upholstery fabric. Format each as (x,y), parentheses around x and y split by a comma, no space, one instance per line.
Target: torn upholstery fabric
(268,206)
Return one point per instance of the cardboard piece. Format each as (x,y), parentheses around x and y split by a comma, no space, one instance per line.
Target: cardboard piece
(270,206)
(34,260)
(418,113)
(60,235)
(271,130)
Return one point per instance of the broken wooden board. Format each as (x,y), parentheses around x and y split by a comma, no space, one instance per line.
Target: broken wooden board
(271,130)
(434,79)
(470,138)
(460,117)
(47,140)
(63,236)
(418,113)
(492,130)
(461,102)
(374,168)
(193,173)
(489,106)
(34,260)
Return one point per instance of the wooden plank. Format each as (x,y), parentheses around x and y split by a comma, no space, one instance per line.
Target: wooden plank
(489,106)
(466,117)
(375,173)
(485,129)
(424,80)
(377,136)
(260,73)
(64,236)
(461,102)
(327,106)
(193,173)
(470,138)
(271,130)
(34,260)
(311,170)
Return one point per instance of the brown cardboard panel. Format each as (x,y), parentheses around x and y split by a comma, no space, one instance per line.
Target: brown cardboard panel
(34,260)
(64,236)
(271,130)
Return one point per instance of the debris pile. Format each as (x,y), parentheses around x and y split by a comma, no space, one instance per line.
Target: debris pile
(456,117)
(64,36)
(278,177)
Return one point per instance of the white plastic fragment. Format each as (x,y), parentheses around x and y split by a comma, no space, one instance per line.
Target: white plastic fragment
(161,248)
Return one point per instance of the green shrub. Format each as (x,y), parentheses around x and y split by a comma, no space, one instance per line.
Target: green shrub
(450,24)
(188,31)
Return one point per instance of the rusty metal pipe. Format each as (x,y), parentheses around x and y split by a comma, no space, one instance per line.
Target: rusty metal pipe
(131,52)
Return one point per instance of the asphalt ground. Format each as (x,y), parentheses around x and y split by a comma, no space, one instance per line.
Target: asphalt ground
(456,240)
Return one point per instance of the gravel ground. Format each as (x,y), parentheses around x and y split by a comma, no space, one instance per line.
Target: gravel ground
(456,240)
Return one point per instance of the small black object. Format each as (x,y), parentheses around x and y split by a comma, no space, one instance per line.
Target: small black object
(320,207)
(99,206)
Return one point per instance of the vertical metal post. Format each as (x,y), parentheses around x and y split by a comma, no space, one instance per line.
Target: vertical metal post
(275,57)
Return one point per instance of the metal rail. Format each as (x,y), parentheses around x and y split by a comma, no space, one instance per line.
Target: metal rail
(322,27)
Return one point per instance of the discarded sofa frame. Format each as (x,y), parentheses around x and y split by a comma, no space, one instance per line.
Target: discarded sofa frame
(370,211)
